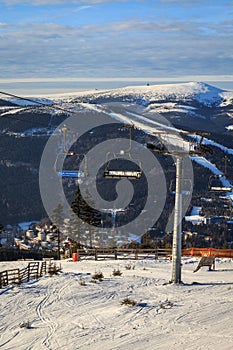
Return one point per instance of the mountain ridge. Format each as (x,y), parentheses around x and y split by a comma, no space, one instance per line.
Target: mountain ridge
(25,131)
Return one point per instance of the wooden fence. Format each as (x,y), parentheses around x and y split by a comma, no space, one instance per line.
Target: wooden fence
(14,254)
(122,253)
(32,271)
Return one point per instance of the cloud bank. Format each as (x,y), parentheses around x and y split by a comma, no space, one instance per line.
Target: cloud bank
(136,46)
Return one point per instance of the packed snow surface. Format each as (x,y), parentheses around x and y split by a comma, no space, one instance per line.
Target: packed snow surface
(68,311)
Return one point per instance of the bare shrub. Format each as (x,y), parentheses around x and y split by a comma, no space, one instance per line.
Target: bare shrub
(129,302)
(129,267)
(116,272)
(98,276)
(166,305)
(53,269)
(82,282)
(26,324)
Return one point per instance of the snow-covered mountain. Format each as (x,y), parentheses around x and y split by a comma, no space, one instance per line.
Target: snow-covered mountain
(25,126)
(193,105)
(198,106)
(202,93)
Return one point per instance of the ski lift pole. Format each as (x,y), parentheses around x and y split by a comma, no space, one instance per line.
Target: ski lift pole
(177,229)
(64,129)
(199,149)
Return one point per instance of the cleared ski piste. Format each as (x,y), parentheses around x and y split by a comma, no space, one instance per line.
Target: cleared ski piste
(70,311)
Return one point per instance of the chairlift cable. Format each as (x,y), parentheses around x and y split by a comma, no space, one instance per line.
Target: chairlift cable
(36,102)
(29,107)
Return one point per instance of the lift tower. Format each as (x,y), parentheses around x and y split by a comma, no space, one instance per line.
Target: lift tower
(178,152)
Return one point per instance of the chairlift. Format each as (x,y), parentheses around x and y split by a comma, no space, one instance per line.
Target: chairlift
(123,174)
(119,174)
(60,159)
(216,185)
(197,147)
(70,173)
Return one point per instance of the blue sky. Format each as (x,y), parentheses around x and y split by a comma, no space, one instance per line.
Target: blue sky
(49,42)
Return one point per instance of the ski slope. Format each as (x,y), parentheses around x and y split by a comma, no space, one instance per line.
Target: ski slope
(66,315)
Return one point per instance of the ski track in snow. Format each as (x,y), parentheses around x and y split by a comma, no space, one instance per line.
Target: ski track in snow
(40,309)
(66,315)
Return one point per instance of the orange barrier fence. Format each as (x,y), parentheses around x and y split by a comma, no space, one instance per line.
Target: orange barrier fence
(218,253)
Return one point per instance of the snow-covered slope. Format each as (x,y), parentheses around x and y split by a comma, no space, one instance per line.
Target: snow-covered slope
(69,311)
(194,105)
(201,92)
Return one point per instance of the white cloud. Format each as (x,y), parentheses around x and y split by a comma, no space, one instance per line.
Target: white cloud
(135,47)
(158,49)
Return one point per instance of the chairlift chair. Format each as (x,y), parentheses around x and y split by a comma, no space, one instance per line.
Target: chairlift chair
(60,159)
(123,174)
(70,173)
(216,185)
(67,172)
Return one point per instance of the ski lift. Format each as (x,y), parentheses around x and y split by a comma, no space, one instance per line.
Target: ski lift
(216,185)
(158,147)
(195,148)
(123,174)
(70,173)
(119,174)
(60,159)
(65,172)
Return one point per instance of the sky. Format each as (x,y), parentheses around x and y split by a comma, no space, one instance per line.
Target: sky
(49,45)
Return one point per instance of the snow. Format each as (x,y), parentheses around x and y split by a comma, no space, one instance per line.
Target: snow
(207,164)
(201,92)
(33,102)
(25,225)
(196,210)
(14,110)
(228,98)
(215,144)
(168,107)
(63,314)
(194,217)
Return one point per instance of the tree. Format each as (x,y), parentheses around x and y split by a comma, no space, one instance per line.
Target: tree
(86,212)
(75,228)
(58,222)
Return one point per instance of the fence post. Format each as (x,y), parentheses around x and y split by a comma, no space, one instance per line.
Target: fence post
(0,280)
(28,272)
(43,268)
(115,252)
(37,270)
(19,279)
(96,255)
(156,253)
